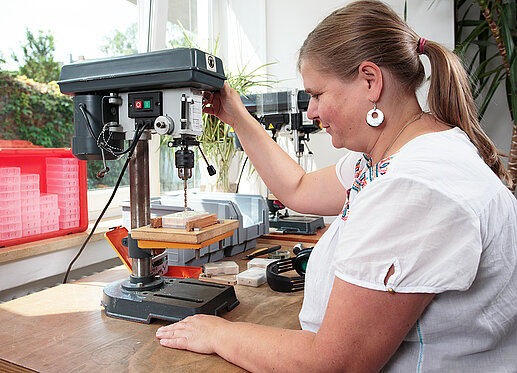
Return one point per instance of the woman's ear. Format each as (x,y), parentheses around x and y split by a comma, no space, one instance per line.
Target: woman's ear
(371,75)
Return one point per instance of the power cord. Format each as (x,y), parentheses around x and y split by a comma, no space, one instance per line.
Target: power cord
(240,175)
(131,149)
(101,140)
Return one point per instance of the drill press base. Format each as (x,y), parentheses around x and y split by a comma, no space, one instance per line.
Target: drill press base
(173,301)
(297,224)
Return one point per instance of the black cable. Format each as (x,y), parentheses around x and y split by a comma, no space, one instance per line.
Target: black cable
(88,125)
(135,139)
(102,144)
(117,184)
(240,176)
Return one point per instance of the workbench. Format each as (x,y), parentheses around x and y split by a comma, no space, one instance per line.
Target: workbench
(64,328)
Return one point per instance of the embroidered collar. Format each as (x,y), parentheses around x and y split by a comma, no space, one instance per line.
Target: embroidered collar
(365,172)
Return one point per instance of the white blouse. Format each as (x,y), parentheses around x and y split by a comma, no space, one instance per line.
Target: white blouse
(437,214)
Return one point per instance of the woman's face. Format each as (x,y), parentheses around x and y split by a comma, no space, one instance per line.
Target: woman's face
(340,107)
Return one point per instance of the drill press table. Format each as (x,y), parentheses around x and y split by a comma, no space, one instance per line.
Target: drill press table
(152,237)
(64,329)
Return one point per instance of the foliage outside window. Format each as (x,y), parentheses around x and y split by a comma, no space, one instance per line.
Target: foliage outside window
(34,111)
(31,106)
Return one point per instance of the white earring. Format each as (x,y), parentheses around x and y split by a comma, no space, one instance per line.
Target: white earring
(375,117)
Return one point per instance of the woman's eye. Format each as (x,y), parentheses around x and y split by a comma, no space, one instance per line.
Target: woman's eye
(315,96)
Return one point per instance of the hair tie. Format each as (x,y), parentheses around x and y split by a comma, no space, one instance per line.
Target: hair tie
(421,46)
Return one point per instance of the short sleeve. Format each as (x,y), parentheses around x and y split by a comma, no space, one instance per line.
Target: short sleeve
(432,241)
(345,168)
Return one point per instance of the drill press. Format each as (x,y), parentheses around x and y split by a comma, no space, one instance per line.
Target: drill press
(128,98)
(283,113)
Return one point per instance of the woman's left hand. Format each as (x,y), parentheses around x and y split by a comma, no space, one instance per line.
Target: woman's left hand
(198,333)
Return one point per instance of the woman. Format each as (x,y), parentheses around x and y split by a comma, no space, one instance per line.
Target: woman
(417,273)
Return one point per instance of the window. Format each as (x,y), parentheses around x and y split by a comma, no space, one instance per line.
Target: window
(73,31)
(180,31)
(44,35)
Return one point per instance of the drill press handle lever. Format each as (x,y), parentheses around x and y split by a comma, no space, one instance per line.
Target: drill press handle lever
(209,168)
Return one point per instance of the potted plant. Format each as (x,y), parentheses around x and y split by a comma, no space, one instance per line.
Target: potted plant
(492,59)
(218,139)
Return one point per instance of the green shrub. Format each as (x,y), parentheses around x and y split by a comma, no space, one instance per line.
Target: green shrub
(39,113)
(34,111)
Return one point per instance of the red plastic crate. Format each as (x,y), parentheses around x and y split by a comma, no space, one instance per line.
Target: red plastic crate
(33,161)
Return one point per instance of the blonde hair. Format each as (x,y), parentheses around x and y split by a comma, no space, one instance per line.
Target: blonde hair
(369,30)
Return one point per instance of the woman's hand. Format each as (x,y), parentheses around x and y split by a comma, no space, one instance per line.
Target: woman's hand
(198,333)
(225,104)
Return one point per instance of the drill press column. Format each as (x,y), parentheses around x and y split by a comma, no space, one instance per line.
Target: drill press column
(142,276)
(140,198)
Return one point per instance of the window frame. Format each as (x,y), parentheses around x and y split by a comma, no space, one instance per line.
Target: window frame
(152,23)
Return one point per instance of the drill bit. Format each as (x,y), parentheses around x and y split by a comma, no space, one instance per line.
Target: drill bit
(185,193)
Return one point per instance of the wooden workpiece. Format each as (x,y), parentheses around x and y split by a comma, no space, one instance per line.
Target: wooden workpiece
(197,222)
(156,222)
(202,222)
(219,279)
(148,233)
(64,329)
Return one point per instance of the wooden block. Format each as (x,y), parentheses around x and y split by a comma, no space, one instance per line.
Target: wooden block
(156,222)
(222,279)
(201,222)
(180,219)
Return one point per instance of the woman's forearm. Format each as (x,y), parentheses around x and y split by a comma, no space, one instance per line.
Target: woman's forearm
(259,348)
(317,192)
(277,169)
(256,348)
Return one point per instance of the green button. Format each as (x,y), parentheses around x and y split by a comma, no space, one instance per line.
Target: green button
(147,104)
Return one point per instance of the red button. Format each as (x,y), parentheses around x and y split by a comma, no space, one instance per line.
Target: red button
(138,104)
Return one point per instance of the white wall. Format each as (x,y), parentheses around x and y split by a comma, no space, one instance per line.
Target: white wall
(289,22)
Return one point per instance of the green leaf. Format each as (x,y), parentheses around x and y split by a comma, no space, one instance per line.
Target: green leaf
(481,69)
(466,43)
(496,80)
(484,82)
(512,100)
(470,22)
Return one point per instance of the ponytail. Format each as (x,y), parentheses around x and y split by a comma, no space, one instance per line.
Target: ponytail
(450,100)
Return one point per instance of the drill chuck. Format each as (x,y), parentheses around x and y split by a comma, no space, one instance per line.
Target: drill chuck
(184,173)
(184,160)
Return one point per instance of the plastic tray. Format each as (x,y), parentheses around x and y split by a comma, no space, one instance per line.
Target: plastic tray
(253,222)
(186,257)
(33,161)
(183,272)
(252,207)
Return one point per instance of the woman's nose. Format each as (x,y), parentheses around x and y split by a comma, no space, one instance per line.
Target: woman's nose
(312,110)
